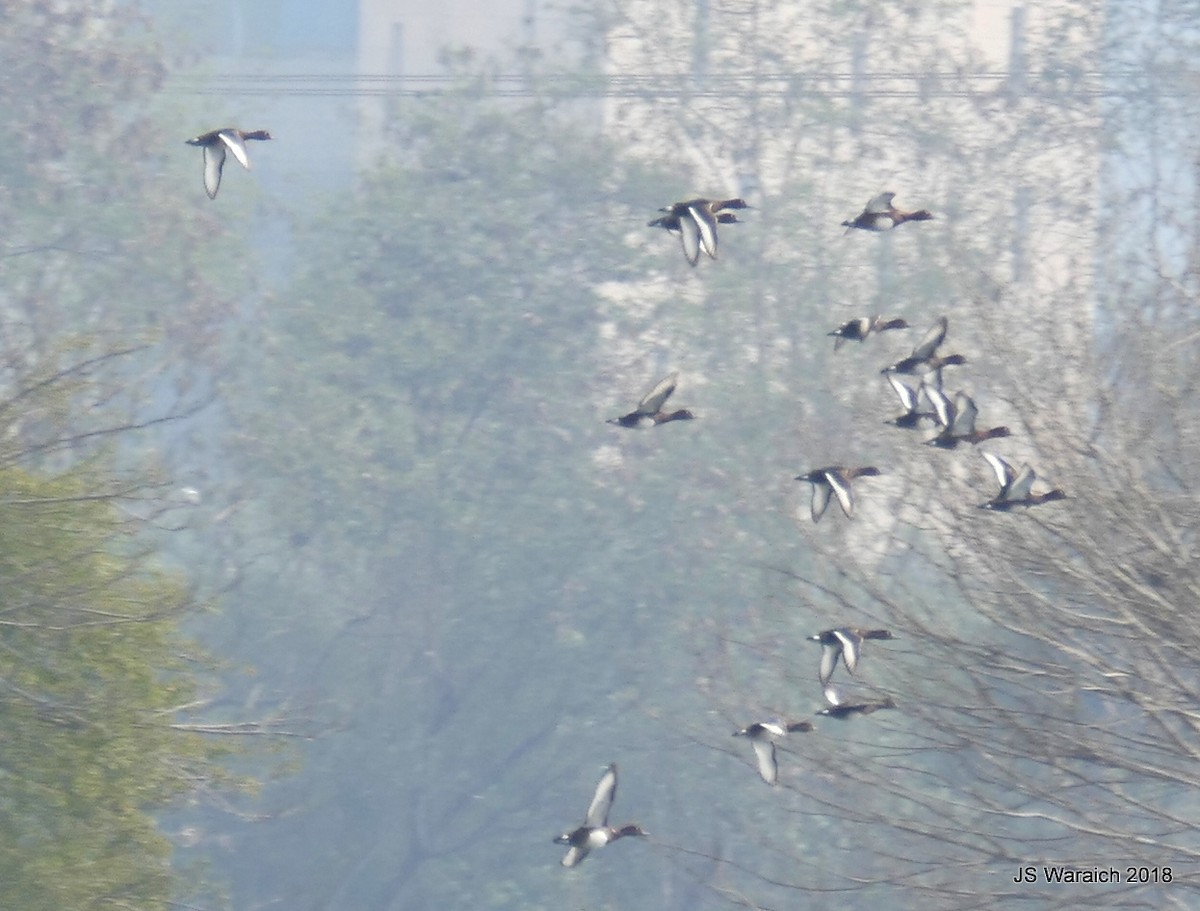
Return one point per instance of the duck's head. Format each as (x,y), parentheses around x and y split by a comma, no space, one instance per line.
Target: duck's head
(681,415)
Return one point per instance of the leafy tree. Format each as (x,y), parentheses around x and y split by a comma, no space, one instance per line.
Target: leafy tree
(110,305)
(91,684)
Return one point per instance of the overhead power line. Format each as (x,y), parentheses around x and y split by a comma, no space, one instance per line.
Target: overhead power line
(910,84)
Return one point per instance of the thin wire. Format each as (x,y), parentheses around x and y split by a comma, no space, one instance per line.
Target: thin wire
(1092,84)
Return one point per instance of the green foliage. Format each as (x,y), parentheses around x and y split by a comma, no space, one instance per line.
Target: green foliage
(114,286)
(90,683)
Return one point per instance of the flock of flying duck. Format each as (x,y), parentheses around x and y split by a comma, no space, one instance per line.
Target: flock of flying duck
(842,645)
(696,221)
(954,419)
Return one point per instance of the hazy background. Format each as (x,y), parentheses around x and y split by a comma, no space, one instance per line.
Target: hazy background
(434,593)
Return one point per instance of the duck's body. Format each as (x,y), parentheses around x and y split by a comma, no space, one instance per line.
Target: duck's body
(844,710)
(637,420)
(696,221)
(881,215)
(909,398)
(762,736)
(924,357)
(215,144)
(649,412)
(843,642)
(1016,487)
(834,479)
(671,222)
(595,831)
(916,366)
(958,421)
(856,330)
(586,839)
(704,206)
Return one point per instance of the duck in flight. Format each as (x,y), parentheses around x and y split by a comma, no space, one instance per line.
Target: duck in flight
(958,421)
(649,411)
(834,479)
(216,144)
(1016,487)
(763,736)
(909,398)
(839,709)
(696,221)
(595,831)
(844,642)
(924,357)
(881,215)
(856,330)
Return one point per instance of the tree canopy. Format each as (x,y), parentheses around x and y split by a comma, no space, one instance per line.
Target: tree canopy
(109,307)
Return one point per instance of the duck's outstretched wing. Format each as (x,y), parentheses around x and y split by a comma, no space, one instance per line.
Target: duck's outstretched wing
(830,652)
(214,164)
(768,766)
(880,204)
(841,487)
(965,412)
(602,800)
(1021,485)
(236,145)
(906,394)
(574,855)
(850,644)
(932,339)
(943,410)
(1004,472)
(706,226)
(689,238)
(653,401)
(820,495)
